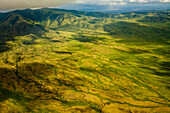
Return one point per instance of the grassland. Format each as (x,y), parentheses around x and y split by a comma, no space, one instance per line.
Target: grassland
(88,65)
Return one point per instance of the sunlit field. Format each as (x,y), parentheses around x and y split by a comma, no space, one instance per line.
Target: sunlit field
(72,62)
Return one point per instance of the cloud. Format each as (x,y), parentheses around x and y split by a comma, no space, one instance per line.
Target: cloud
(119,2)
(22,4)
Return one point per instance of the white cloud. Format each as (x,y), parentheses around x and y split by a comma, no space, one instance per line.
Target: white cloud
(119,2)
(21,4)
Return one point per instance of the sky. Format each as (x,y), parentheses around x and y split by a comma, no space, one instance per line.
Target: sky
(120,2)
(22,4)
(118,6)
(86,5)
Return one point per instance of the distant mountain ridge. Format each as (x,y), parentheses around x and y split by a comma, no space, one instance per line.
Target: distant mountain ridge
(17,21)
(24,22)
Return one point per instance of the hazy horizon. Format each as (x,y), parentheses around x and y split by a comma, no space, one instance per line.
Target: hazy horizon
(117,8)
(109,6)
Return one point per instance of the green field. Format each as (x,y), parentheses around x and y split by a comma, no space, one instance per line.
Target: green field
(65,61)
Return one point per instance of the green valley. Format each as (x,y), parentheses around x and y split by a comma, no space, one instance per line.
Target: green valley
(66,61)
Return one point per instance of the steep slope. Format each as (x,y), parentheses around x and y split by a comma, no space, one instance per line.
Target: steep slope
(12,24)
(25,22)
(15,24)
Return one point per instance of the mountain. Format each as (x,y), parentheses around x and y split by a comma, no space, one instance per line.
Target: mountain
(67,61)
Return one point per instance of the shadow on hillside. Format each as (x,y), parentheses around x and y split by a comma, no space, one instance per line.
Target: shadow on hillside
(4,38)
(25,77)
(165,66)
(5,94)
(163,70)
(14,26)
(133,32)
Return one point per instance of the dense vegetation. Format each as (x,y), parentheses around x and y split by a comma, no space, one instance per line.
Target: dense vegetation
(67,61)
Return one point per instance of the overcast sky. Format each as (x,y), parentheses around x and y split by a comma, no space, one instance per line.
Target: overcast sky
(119,2)
(22,4)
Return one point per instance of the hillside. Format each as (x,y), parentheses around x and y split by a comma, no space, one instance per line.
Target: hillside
(66,61)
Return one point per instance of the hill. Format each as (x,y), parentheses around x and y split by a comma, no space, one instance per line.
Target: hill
(66,61)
